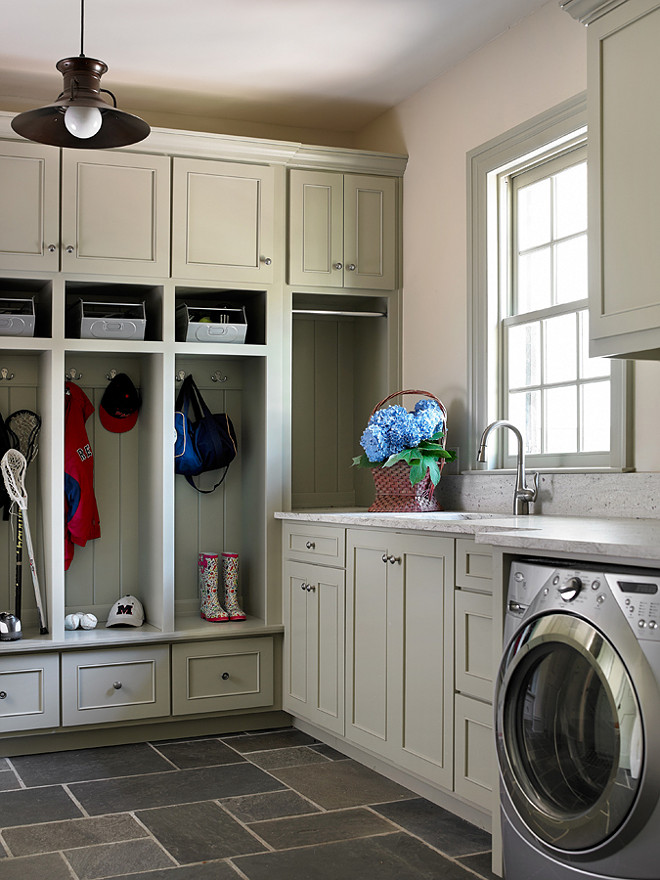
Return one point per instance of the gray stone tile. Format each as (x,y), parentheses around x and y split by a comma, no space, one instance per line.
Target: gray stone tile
(293,757)
(51,866)
(8,780)
(272,805)
(113,859)
(338,784)
(199,753)
(205,871)
(4,764)
(391,857)
(436,826)
(176,787)
(55,836)
(321,828)
(481,865)
(328,752)
(277,739)
(198,832)
(84,764)
(29,805)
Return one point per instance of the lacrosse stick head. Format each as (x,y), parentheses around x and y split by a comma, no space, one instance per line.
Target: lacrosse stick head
(13,467)
(23,427)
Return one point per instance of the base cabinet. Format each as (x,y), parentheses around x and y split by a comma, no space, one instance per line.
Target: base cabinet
(29,692)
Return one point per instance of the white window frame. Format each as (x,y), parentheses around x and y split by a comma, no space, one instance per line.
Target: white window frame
(562,127)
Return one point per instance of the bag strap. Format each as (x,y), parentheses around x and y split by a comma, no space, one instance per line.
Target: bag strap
(199,405)
(207,491)
(184,396)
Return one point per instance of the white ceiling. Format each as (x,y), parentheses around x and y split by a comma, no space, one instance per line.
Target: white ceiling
(331,64)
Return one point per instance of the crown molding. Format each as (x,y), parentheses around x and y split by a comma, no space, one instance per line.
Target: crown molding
(586,11)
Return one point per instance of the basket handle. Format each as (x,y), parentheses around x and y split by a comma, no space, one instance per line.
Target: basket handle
(411,391)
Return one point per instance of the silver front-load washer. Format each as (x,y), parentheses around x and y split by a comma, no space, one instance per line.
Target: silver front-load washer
(578,722)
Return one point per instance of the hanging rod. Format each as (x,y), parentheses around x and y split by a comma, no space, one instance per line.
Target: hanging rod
(339,314)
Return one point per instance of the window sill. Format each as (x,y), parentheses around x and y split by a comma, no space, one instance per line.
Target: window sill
(545,470)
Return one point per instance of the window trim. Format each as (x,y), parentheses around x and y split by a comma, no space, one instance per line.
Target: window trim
(558,125)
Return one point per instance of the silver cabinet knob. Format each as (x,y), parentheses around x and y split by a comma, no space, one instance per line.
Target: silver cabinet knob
(265,260)
(52,248)
(384,557)
(116,685)
(311,588)
(393,559)
(310,545)
(3,695)
(303,586)
(339,265)
(351,267)
(70,249)
(225,676)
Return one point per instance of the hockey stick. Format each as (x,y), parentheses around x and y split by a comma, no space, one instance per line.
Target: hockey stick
(23,427)
(13,466)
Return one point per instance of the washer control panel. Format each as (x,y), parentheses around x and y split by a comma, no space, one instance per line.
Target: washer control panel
(638,596)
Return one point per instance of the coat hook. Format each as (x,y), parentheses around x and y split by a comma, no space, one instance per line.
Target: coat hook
(5,374)
(180,375)
(218,377)
(73,374)
(111,375)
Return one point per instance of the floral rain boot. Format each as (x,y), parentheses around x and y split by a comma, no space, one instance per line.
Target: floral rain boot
(210,607)
(230,584)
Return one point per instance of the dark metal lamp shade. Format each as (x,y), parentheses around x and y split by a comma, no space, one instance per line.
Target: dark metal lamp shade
(82,89)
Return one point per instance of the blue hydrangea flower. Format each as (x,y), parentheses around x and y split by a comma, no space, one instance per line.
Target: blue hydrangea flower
(393,429)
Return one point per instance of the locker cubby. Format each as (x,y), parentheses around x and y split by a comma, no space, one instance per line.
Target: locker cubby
(42,294)
(254,302)
(342,354)
(115,293)
(231,518)
(129,556)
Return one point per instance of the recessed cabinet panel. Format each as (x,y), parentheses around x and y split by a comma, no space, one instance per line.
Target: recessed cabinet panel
(29,221)
(99,234)
(474,639)
(223,214)
(370,232)
(218,676)
(474,752)
(474,566)
(316,228)
(29,692)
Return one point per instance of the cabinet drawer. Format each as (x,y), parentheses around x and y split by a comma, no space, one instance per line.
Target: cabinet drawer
(474,752)
(474,566)
(115,685)
(29,692)
(312,543)
(474,644)
(219,676)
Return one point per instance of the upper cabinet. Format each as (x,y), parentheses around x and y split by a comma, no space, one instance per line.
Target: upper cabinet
(342,230)
(624,178)
(223,216)
(29,220)
(99,234)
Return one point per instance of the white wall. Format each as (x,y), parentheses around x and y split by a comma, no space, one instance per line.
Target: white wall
(525,71)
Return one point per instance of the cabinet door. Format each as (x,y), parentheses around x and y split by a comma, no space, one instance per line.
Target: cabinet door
(29,221)
(314,644)
(370,243)
(475,752)
(29,692)
(624,180)
(474,644)
(222,226)
(316,223)
(115,213)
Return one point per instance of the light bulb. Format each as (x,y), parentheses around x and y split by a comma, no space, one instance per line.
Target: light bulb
(83,122)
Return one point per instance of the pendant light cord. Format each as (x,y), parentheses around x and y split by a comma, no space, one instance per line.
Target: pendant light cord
(82,26)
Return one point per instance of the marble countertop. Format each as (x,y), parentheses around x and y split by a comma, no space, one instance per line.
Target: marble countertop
(634,539)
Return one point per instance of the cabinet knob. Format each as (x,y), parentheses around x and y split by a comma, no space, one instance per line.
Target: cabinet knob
(3,695)
(311,588)
(52,248)
(225,676)
(339,265)
(70,249)
(384,557)
(116,685)
(265,260)
(310,545)
(393,559)
(303,586)
(351,267)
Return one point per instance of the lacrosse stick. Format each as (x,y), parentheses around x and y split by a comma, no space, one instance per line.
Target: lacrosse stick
(23,427)
(13,466)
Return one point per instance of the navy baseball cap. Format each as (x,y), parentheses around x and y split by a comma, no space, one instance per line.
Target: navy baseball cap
(119,405)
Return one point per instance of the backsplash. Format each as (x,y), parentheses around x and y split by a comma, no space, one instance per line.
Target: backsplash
(598,494)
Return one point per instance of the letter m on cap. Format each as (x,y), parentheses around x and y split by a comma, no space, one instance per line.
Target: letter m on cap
(125,609)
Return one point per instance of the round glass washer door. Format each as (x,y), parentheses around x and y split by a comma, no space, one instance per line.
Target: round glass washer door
(569,732)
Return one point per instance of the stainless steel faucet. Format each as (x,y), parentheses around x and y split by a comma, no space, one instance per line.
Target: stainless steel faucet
(522,494)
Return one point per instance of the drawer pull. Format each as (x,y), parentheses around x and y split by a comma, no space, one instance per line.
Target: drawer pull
(116,685)
(225,676)
(3,695)
(310,545)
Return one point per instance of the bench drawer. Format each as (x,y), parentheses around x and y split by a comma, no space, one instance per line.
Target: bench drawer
(29,692)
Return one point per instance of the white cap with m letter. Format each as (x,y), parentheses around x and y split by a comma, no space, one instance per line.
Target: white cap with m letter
(128,611)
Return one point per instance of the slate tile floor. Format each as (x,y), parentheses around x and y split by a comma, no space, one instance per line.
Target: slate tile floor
(274,805)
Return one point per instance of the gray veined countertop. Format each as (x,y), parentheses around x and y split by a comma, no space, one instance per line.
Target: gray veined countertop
(633,539)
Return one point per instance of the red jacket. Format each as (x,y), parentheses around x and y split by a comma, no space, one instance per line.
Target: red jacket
(80,510)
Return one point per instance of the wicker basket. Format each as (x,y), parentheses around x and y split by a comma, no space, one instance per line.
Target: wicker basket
(394,492)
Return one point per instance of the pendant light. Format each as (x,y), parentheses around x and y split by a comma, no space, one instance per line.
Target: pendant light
(80,117)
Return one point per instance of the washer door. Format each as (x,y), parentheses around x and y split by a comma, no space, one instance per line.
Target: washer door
(569,732)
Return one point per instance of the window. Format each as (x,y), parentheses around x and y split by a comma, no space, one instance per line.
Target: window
(529,303)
